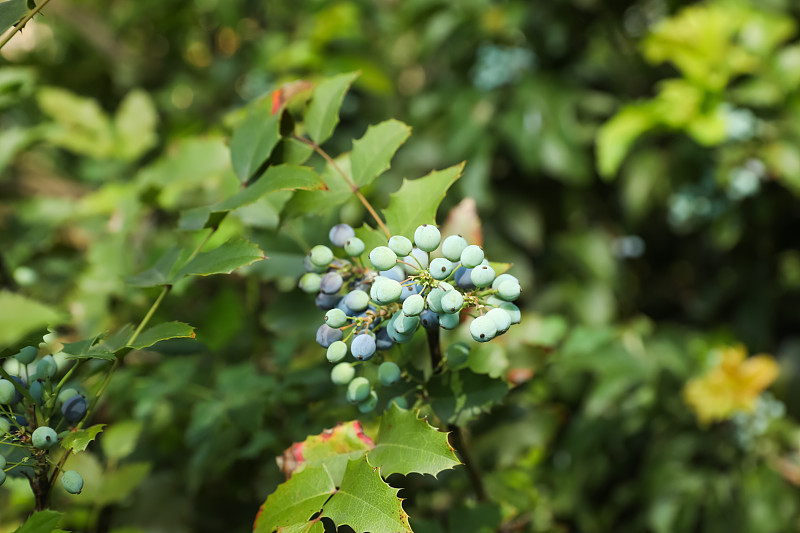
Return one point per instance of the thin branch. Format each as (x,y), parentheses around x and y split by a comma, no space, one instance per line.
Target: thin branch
(22,22)
(353,186)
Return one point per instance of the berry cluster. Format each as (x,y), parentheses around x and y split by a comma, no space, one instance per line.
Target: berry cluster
(26,420)
(374,308)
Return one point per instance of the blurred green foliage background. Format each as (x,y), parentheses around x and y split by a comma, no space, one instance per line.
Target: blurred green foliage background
(638,162)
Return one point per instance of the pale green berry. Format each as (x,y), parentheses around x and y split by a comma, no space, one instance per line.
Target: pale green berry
(321,256)
(471,256)
(400,245)
(383,258)
(483,329)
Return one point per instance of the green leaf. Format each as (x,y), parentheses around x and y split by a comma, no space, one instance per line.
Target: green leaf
(417,200)
(253,140)
(332,448)
(461,396)
(118,484)
(80,124)
(221,260)
(167,330)
(320,202)
(618,134)
(11,12)
(308,527)
(277,178)
(294,502)
(323,111)
(159,273)
(135,125)
(366,503)
(77,440)
(40,522)
(409,444)
(373,152)
(120,439)
(20,315)
(86,349)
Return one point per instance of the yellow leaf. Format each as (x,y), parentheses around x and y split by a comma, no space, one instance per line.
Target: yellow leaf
(732,385)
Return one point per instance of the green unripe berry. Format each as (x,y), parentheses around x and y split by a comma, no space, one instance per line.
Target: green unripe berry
(457,354)
(399,401)
(385,290)
(342,374)
(358,390)
(509,290)
(449,320)
(66,394)
(414,305)
(453,246)
(501,319)
(72,482)
(415,261)
(44,438)
(501,278)
(427,237)
(310,282)
(27,355)
(383,258)
(400,245)
(441,268)
(354,247)
(451,302)
(335,318)
(46,367)
(7,392)
(513,311)
(404,324)
(434,298)
(320,255)
(2,477)
(471,256)
(5,425)
(336,351)
(368,405)
(2,461)
(389,373)
(482,276)
(356,300)
(483,329)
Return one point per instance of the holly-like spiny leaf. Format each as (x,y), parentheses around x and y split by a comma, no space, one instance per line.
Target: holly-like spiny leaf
(323,111)
(253,140)
(77,440)
(294,502)
(373,152)
(222,260)
(277,178)
(416,201)
(40,522)
(332,448)
(167,330)
(366,502)
(11,12)
(409,444)
(459,397)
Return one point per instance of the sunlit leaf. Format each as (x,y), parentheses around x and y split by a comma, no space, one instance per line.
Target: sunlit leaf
(366,503)
(295,501)
(373,152)
(417,201)
(78,439)
(408,444)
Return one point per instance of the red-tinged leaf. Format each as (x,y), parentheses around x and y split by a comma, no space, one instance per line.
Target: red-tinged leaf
(463,220)
(333,447)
